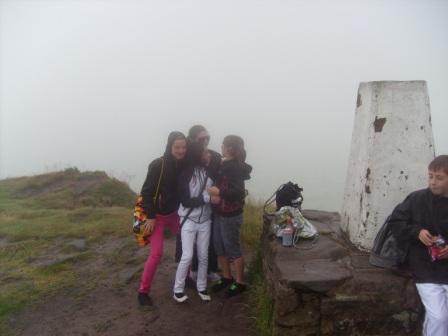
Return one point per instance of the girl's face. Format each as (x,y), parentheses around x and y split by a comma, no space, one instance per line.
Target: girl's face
(178,149)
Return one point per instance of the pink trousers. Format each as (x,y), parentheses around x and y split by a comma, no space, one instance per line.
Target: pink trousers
(156,248)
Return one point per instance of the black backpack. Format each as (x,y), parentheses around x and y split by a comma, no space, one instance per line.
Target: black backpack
(288,194)
(386,252)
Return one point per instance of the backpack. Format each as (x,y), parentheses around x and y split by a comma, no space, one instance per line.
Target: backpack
(289,194)
(386,251)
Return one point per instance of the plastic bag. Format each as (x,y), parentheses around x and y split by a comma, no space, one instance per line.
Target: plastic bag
(302,227)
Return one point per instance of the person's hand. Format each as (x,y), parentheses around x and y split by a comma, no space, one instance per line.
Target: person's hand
(425,237)
(213,191)
(215,199)
(149,227)
(443,254)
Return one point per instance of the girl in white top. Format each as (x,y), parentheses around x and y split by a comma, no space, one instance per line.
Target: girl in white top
(195,213)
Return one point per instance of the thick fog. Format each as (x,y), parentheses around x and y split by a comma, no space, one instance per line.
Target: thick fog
(100,84)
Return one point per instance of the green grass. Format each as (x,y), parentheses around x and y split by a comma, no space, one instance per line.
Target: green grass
(259,299)
(37,214)
(251,230)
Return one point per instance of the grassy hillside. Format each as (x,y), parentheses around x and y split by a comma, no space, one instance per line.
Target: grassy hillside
(52,225)
(46,221)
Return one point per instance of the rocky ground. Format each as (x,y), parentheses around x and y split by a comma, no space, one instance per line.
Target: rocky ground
(104,301)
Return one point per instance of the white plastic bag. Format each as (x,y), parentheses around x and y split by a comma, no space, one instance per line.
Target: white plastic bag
(303,228)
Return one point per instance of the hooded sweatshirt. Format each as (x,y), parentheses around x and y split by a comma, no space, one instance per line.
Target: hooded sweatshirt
(214,165)
(422,210)
(167,200)
(230,181)
(194,198)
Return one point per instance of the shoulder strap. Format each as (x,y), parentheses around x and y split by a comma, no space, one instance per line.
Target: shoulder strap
(156,195)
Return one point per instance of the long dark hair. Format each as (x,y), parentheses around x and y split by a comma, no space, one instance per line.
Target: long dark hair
(235,146)
(194,132)
(195,152)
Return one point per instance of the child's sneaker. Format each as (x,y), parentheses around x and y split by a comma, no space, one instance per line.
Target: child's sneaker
(235,289)
(204,295)
(221,284)
(144,300)
(212,276)
(180,297)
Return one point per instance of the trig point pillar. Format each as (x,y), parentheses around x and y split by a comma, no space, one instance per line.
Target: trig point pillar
(392,145)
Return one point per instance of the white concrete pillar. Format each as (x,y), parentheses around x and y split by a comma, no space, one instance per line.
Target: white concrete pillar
(392,145)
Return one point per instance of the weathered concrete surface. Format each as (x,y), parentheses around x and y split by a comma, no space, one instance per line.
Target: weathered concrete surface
(392,144)
(329,288)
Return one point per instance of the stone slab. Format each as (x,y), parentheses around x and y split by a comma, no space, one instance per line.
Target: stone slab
(314,275)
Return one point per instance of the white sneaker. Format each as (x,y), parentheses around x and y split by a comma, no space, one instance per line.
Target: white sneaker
(180,297)
(194,276)
(213,277)
(204,295)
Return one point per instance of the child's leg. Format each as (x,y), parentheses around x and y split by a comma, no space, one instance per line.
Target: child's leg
(188,234)
(224,263)
(156,251)
(231,239)
(218,242)
(239,269)
(212,257)
(435,300)
(202,242)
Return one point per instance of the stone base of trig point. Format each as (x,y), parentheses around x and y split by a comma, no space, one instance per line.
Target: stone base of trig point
(330,288)
(392,144)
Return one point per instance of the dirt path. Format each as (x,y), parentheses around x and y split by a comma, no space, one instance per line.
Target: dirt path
(105,302)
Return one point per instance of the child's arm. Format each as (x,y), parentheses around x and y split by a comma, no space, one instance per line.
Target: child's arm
(184,193)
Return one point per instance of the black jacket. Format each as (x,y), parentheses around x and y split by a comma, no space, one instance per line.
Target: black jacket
(422,210)
(214,165)
(230,181)
(168,198)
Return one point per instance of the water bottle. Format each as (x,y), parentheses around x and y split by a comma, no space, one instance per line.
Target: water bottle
(288,232)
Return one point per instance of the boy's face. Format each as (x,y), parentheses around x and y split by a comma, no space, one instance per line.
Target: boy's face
(438,182)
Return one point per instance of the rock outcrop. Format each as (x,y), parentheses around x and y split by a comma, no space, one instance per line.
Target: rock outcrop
(329,288)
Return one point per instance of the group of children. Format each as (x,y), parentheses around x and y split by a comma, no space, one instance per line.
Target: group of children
(194,190)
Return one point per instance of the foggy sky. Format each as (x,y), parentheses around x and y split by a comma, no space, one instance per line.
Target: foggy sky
(100,84)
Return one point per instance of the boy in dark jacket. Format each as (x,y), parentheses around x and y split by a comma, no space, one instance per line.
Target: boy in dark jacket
(230,188)
(421,224)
